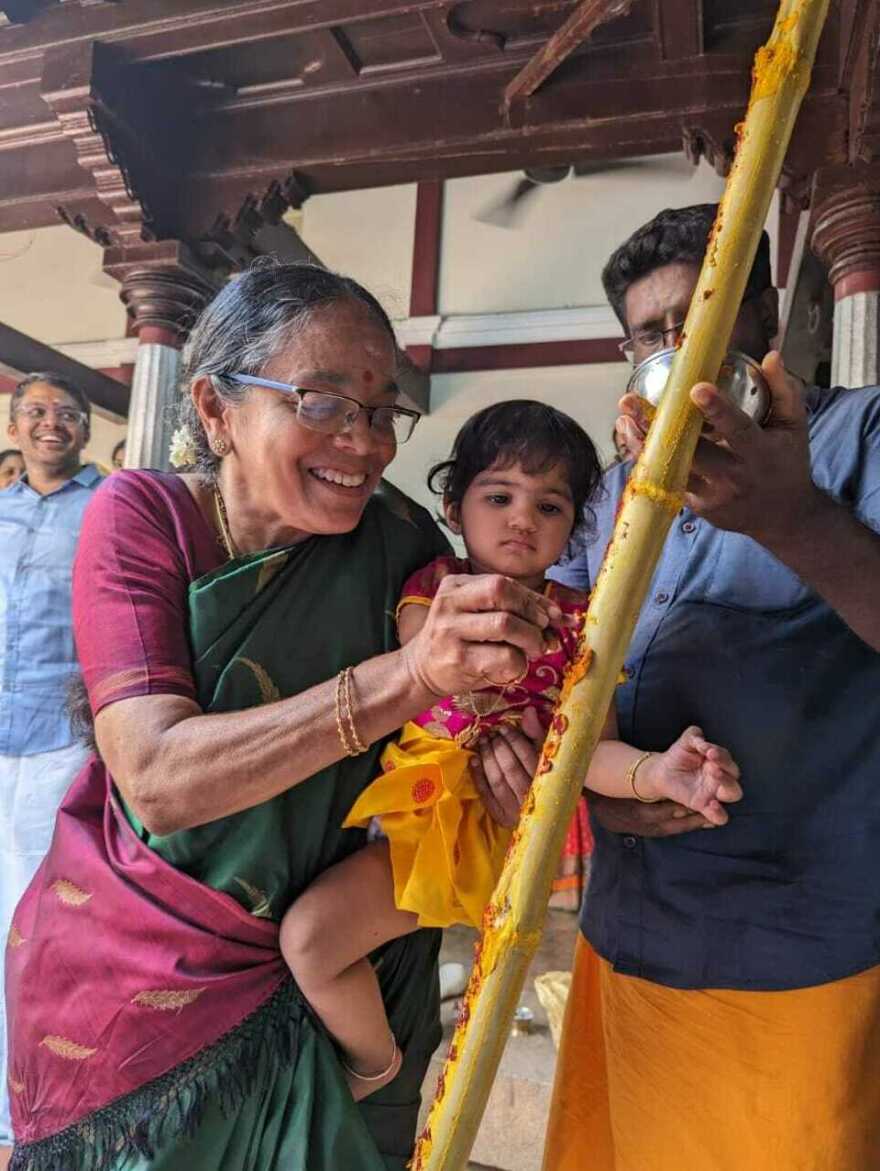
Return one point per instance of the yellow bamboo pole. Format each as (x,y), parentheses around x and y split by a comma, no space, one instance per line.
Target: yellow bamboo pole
(515,915)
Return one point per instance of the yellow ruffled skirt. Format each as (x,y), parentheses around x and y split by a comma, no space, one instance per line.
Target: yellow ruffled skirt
(446,851)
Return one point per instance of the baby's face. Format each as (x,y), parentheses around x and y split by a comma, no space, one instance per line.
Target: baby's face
(515,522)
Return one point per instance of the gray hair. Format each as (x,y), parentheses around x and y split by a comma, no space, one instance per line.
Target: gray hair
(249,321)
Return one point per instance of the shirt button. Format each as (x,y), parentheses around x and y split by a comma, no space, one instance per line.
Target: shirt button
(688,526)
(662,598)
(630,842)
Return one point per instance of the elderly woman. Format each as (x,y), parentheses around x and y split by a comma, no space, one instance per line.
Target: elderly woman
(236,636)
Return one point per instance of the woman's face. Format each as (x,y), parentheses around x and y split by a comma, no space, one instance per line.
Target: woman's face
(305,481)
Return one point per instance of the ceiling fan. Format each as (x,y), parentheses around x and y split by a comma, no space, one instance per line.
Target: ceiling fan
(511,208)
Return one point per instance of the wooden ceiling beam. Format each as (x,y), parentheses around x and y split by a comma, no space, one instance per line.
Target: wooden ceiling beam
(579,27)
(679,28)
(153,29)
(20,352)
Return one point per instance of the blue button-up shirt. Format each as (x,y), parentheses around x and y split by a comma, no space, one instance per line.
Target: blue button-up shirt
(38,536)
(787,894)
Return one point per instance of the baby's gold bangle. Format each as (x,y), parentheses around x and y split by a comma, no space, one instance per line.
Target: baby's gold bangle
(631,779)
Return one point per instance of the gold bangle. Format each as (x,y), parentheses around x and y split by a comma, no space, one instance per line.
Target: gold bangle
(343,738)
(374,1077)
(348,713)
(631,779)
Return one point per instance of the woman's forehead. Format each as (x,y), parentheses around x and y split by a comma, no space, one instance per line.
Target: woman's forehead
(343,358)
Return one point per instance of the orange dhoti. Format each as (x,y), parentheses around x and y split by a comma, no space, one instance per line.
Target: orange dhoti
(446,851)
(652,1078)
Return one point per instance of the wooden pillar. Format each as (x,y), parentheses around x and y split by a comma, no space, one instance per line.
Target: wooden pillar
(846,236)
(427,241)
(164,290)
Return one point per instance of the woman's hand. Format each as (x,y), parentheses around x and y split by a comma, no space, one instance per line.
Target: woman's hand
(694,773)
(505,765)
(480,631)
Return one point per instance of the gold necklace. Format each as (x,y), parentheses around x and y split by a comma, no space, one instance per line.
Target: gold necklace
(223,525)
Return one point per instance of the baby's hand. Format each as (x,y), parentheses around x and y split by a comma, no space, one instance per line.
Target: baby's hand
(694,773)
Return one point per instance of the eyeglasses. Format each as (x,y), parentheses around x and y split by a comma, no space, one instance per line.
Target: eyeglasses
(66,415)
(332,414)
(648,340)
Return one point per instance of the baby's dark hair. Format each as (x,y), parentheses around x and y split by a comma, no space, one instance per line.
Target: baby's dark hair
(527,433)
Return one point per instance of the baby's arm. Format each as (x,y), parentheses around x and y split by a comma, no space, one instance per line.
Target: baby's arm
(692,772)
(410,620)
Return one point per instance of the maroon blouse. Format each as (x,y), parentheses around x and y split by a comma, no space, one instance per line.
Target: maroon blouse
(143,540)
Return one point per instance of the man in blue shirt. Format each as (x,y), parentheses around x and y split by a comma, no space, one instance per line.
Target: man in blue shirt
(40,518)
(725,1006)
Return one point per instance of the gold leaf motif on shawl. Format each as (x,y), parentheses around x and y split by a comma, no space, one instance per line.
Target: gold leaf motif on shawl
(15,938)
(167,999)
(15,1085)
(269,568)
(268,691)
(67,1048)
(69,893)
(261,904)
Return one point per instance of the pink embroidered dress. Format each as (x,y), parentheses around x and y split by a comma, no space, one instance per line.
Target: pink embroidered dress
(446,852)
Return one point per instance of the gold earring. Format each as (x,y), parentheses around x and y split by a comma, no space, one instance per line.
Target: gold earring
(220,447)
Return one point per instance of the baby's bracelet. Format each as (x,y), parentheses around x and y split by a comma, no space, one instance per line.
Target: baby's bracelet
(631,779)
(374,1077)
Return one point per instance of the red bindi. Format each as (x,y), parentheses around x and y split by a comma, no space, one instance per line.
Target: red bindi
(368,376)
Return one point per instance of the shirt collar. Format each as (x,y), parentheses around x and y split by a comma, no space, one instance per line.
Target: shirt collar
(88,476)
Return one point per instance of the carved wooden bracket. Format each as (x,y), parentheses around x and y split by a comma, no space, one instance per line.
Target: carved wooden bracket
(846,222)
(164,286)
(234,237)
(716,148)
(68,88)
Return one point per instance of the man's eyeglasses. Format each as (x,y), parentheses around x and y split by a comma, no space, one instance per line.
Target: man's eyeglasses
(331,414)
(648,341)
(35,413)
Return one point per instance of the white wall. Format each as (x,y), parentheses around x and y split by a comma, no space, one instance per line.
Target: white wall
(52,287)
(367,235)
(553,255)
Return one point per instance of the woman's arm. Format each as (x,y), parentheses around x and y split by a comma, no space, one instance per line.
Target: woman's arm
(178,768)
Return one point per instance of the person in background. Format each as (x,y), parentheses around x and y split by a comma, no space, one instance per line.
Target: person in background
(725,1002)
(118,457)
(11,467)
(40,518)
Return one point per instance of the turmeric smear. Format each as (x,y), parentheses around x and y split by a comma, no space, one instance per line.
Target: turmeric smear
(776,61)
(671,501)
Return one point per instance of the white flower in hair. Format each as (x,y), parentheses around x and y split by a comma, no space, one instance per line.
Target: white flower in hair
(182,448)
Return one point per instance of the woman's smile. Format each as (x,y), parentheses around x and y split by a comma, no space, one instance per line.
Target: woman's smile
(337,478)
